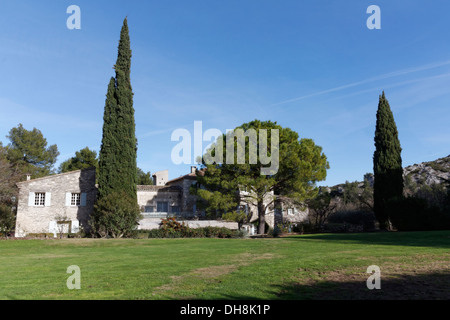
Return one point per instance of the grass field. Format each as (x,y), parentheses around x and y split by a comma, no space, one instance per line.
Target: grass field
(413,265)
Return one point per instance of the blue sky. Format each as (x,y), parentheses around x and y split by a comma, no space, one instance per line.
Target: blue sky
(312,66)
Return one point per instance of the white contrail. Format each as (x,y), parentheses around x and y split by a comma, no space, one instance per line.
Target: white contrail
(381,77)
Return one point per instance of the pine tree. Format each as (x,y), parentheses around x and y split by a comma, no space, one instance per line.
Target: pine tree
(117,174)
(387,163)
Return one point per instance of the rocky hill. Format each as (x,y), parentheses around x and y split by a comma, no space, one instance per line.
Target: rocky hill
(425,173)
(432,172)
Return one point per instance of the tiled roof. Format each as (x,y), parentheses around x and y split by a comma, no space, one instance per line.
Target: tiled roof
(189,176)
(158,188)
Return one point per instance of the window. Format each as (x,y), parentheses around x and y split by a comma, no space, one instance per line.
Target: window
(176,209)
(162,206)
(290,211)
(75,199)
(149,209)
(278,211)
(39,199)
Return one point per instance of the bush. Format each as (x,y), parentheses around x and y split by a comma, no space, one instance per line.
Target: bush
(343,227)
(172,225)
(416,214)
(170,228)
(351,221)
(116,215)
(7,219)
(303,227)
(41,235)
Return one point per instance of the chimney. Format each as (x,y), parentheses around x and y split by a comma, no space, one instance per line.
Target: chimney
(28,177)
(193,169)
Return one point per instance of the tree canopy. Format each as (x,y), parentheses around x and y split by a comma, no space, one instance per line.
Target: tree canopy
(29,153)
(143,178)
(83,159)
(224,186)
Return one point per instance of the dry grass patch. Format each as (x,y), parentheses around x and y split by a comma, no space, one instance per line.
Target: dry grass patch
(203,277)
(421,277)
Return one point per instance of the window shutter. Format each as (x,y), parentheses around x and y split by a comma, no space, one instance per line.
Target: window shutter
(68,199)
(31,197)
(53,228)
(83,199)
(48,199)
(75,226)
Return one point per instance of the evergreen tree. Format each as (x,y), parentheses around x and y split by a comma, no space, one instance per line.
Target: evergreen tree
(387,163)
(84,159)
(117,158)
(117,172)
(28,152)
(301,164)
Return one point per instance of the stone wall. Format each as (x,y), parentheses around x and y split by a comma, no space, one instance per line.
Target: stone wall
(153,223)
(57,189)
(188,201)
(148,196)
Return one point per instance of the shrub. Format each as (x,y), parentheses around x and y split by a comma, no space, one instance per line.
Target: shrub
(303,227)
(170,228)
(172,225)
(7,220)
(416,214)
(343,227)
(42,235)
(352,221)
(116,215)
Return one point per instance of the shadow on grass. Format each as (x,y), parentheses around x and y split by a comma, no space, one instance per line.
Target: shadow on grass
(426,286)
(439,239)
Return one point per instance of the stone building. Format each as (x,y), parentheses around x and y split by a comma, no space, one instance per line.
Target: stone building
(62,203)
(55,204)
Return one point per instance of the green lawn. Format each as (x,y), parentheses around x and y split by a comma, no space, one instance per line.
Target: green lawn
(327,266)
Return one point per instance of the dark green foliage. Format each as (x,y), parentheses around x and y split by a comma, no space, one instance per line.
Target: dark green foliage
(84,159)
(320,208)
(416,214)
(359,196)
(241,217)
(144,179)
(346,221)
(7,220)
(9,175)
(387,163)
(116,215)
(170,228)
(28,152)
(117,158)
(301,165)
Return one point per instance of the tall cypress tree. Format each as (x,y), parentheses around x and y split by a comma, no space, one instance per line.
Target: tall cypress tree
(387,163)
(117,157)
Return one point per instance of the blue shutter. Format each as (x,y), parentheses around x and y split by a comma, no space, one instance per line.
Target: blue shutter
(83,199)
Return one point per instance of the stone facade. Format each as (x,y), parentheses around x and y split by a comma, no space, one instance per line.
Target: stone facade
(276,213)
(62,203)
(57,203)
